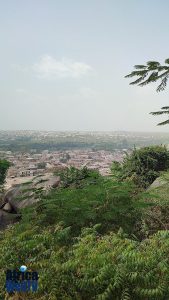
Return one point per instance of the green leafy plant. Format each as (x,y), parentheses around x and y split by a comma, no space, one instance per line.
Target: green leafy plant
(149,73)
(143,166)
(4,165)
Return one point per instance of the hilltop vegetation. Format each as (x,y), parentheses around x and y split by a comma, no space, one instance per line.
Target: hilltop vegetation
(95,237)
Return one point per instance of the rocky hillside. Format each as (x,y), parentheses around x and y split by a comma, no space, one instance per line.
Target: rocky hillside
(91,238)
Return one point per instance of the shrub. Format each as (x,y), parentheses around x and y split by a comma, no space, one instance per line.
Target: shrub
(143,166)
(4,165)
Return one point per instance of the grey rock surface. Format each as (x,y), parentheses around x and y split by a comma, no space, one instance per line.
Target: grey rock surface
(24,195)
(157,183)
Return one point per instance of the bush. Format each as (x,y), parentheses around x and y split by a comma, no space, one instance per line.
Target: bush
(4,165)
(80,238)
(143,166)
(98,267)
(75,177)
(115,267)
(99,201)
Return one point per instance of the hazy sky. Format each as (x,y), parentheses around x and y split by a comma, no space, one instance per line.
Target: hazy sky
(63,62)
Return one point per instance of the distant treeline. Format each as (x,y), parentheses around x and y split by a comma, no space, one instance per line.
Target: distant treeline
(62,146)
(26,143)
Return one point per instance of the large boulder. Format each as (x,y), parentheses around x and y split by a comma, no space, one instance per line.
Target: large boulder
(7,218)
(23,195)
(156,215)
(26,194)
(157,183)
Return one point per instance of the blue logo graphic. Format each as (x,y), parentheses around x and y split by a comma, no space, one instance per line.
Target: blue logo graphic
(21,281)
(23,268)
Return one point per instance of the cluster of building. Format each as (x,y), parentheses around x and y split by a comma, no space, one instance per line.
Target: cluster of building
(100,160)
(26,165)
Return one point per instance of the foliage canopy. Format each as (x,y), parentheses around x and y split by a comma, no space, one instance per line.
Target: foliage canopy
(149,73)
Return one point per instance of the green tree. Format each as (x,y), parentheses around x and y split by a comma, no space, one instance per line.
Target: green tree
(41,165)
(143,166)
(74,177)
(97,201)
(149,73)
(4,165)
(164,110)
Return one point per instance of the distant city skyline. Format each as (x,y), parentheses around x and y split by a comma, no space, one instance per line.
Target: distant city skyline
(63,64)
